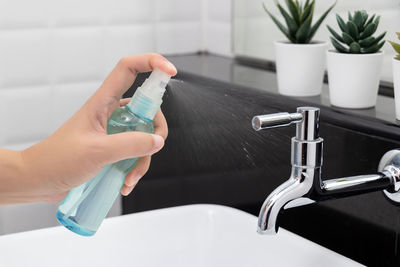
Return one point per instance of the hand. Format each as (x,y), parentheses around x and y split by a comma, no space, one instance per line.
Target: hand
(143,164)
(80,148)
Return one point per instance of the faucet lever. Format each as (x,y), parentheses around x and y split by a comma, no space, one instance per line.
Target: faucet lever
(275,120)
(306,119)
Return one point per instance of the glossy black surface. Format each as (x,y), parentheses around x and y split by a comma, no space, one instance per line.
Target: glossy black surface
(213,155)
(228,70)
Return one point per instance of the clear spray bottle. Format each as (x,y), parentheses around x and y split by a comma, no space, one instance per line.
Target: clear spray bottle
(85,207)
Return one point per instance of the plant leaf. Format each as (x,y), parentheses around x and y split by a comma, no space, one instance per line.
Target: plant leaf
(357,19)
(377,20)
(398,35)
(364,15)
(294,10)
(395,46)
(341,23)
(353,30)
(371,19)
(373,49)
(280,25)
(355,48)
(291,24)
(301,7)
(347,38)
(369,30)
(303,32)
(340,48)
(349,17)
(367,42)
(335,34)
(377,39)
(308,9)
(306,4)
(317,24)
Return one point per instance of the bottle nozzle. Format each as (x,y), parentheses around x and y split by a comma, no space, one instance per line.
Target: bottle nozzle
(148,97)
(159,75)
(154,86)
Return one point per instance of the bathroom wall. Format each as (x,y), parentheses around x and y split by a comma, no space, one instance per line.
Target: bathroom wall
(255,33)
(55,54)
(218,26)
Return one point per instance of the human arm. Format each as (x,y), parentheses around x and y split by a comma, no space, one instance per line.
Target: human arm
(80,148)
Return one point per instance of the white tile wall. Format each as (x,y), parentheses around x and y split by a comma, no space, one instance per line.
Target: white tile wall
(24,62)
(124,39)
(129,12)
(24,14)
(178,37)
(219,26)
(25,113)
(77,54)
(55,53)
(255,32)
(69,97)
(178,10)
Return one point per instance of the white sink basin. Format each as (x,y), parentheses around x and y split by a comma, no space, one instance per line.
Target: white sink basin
(194,235)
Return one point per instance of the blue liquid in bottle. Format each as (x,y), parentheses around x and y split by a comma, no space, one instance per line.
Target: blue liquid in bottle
(85,207)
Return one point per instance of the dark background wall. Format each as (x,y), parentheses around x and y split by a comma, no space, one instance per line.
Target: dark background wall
(212,155)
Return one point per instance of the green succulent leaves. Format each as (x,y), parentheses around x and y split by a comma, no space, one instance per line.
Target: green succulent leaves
(298,19)
(396,46)
(357,34)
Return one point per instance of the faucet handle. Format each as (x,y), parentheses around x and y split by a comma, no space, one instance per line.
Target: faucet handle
(281,119)
(306,118)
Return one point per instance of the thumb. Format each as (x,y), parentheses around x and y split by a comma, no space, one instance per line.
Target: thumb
(131,145)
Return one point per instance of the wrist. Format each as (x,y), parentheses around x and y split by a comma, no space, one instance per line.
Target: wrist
(12,178)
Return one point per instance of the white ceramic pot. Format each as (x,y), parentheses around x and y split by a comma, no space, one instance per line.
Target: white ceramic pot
(300,68)
(354,79)
(396,83)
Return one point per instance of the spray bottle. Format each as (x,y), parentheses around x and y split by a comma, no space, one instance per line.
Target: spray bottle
(85,207)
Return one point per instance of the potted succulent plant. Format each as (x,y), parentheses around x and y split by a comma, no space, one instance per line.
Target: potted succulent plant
(300,61)
(396,75)
(354,66)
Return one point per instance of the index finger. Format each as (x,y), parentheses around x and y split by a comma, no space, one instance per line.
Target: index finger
(124,74)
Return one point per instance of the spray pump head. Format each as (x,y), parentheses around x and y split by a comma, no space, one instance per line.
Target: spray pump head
(148,98)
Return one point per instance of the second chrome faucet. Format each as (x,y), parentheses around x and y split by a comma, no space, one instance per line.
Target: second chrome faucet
(305,185)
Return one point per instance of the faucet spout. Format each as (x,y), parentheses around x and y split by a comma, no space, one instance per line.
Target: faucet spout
(267,220)
(292,193)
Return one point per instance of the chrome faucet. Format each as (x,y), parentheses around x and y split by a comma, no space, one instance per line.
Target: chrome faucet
(305,185)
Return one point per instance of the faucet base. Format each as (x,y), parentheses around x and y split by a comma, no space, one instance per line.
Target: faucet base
(390,162)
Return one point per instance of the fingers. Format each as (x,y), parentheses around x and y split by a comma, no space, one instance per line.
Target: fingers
(126,190)
(116,147)
(160,125)
(124,101)
(133,177)
(138,172)
(124,73)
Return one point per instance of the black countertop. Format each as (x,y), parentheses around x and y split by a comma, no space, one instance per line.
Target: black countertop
(228,70)
(374,123)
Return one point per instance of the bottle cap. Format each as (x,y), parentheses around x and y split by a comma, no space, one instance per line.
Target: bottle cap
(148,98)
